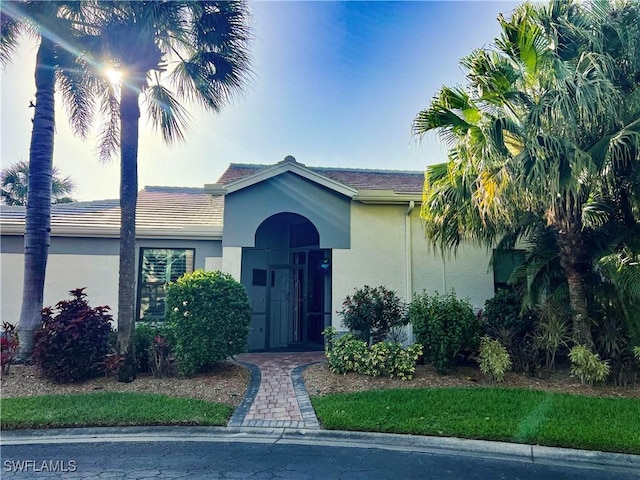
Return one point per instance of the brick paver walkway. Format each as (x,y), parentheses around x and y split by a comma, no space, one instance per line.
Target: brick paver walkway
(280,400)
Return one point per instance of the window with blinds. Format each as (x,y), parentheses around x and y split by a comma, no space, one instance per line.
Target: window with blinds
(159,267)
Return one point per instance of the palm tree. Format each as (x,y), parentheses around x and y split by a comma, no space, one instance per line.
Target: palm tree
(14,186)
(56,24)
(198,47)
(548,110)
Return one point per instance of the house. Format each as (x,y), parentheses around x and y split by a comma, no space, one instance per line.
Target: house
(299,238)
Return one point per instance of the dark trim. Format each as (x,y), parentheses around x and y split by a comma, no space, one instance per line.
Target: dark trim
(302,395)
(250,395)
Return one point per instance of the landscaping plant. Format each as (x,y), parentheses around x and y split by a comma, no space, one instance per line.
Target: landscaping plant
(73,340)
(210,315)
(373,312)
(349,354)
(446,326)
(9,345)
(587,365)
(504,320)
(494,359)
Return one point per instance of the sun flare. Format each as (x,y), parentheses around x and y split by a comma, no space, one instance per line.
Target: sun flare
(114,76)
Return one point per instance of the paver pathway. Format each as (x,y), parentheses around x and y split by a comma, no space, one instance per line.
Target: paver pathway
(276,396)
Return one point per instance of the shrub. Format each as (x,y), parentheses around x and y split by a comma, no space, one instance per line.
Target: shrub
(636,352)
(9,344)
(503,319)
(72,342)
(349,354)
(587,365)
(494,359)
(503,311)
(373,311)
(210,315)
(445,326)
(144,338)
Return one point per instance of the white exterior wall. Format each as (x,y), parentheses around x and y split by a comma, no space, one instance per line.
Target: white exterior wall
(98,273)
(376,256)
(232,261)
(212,264)
(382,241)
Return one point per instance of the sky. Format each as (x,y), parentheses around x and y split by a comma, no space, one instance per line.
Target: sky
(335,84)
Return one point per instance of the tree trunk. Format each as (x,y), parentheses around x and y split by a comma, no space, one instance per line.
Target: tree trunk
(572,259)
(129,118)
(38,215)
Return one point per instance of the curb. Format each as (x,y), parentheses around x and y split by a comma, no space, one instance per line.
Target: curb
(588,459)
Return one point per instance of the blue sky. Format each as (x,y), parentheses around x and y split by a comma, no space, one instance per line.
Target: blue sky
(336,84)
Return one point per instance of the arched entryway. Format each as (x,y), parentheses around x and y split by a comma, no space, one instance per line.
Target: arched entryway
(288,278)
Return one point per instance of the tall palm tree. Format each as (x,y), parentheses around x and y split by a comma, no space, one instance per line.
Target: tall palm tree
(549,109)
(57,24)
(200,48)
(14,185)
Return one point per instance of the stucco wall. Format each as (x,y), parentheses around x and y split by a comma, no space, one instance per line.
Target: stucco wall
(378,256)
(82,262)
(246,209)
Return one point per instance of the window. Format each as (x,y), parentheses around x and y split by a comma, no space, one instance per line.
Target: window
(504,264)
(158,267)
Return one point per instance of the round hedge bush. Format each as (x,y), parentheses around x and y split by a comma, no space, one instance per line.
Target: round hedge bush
(210,315)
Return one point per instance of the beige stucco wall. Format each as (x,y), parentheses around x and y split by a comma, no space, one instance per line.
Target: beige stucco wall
(98,273)
(382,242)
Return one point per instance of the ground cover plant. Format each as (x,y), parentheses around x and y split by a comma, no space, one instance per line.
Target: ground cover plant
(109,409)
(513,415)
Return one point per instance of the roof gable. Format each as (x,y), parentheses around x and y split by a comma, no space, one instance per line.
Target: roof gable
(361,180)
(252,176)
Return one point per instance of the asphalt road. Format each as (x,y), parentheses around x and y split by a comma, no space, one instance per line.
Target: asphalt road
(195,459)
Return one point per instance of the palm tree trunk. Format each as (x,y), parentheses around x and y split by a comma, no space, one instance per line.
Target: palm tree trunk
(129,117)
(38,215)
(572,258)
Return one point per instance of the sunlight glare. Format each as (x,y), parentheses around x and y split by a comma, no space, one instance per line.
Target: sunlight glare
(114,76)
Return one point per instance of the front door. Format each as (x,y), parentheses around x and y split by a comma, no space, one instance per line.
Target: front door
(298,303)
(288,279)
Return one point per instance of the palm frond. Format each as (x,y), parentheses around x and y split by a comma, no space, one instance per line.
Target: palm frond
(166,113)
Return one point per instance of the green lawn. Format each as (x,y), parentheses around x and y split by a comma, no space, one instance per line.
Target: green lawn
(109,409)
(513,415)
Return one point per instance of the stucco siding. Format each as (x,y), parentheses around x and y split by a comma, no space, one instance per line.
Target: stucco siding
(246,209)
(377,254)
(98,273)
(83,262)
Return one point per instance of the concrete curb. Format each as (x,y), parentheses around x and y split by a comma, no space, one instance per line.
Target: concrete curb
(442,445)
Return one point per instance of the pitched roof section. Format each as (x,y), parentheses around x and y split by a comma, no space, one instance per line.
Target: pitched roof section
(162,212)
(397,181)
(289,164)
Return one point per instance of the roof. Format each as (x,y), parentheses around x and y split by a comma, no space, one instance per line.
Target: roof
(399,181)
(161,212)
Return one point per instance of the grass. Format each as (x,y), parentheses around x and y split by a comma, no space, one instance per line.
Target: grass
(512,415)
(109,409)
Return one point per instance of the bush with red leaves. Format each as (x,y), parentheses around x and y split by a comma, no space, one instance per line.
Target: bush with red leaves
(72,342)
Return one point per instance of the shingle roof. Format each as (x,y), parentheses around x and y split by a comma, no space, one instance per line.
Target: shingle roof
(172,209)
(362,179)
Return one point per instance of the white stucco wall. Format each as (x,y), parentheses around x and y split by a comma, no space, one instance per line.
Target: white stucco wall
(98,273)
(212,264)
(378,256)
(232,261)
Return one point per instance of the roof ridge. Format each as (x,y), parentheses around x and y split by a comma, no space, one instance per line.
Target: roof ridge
(342,169)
